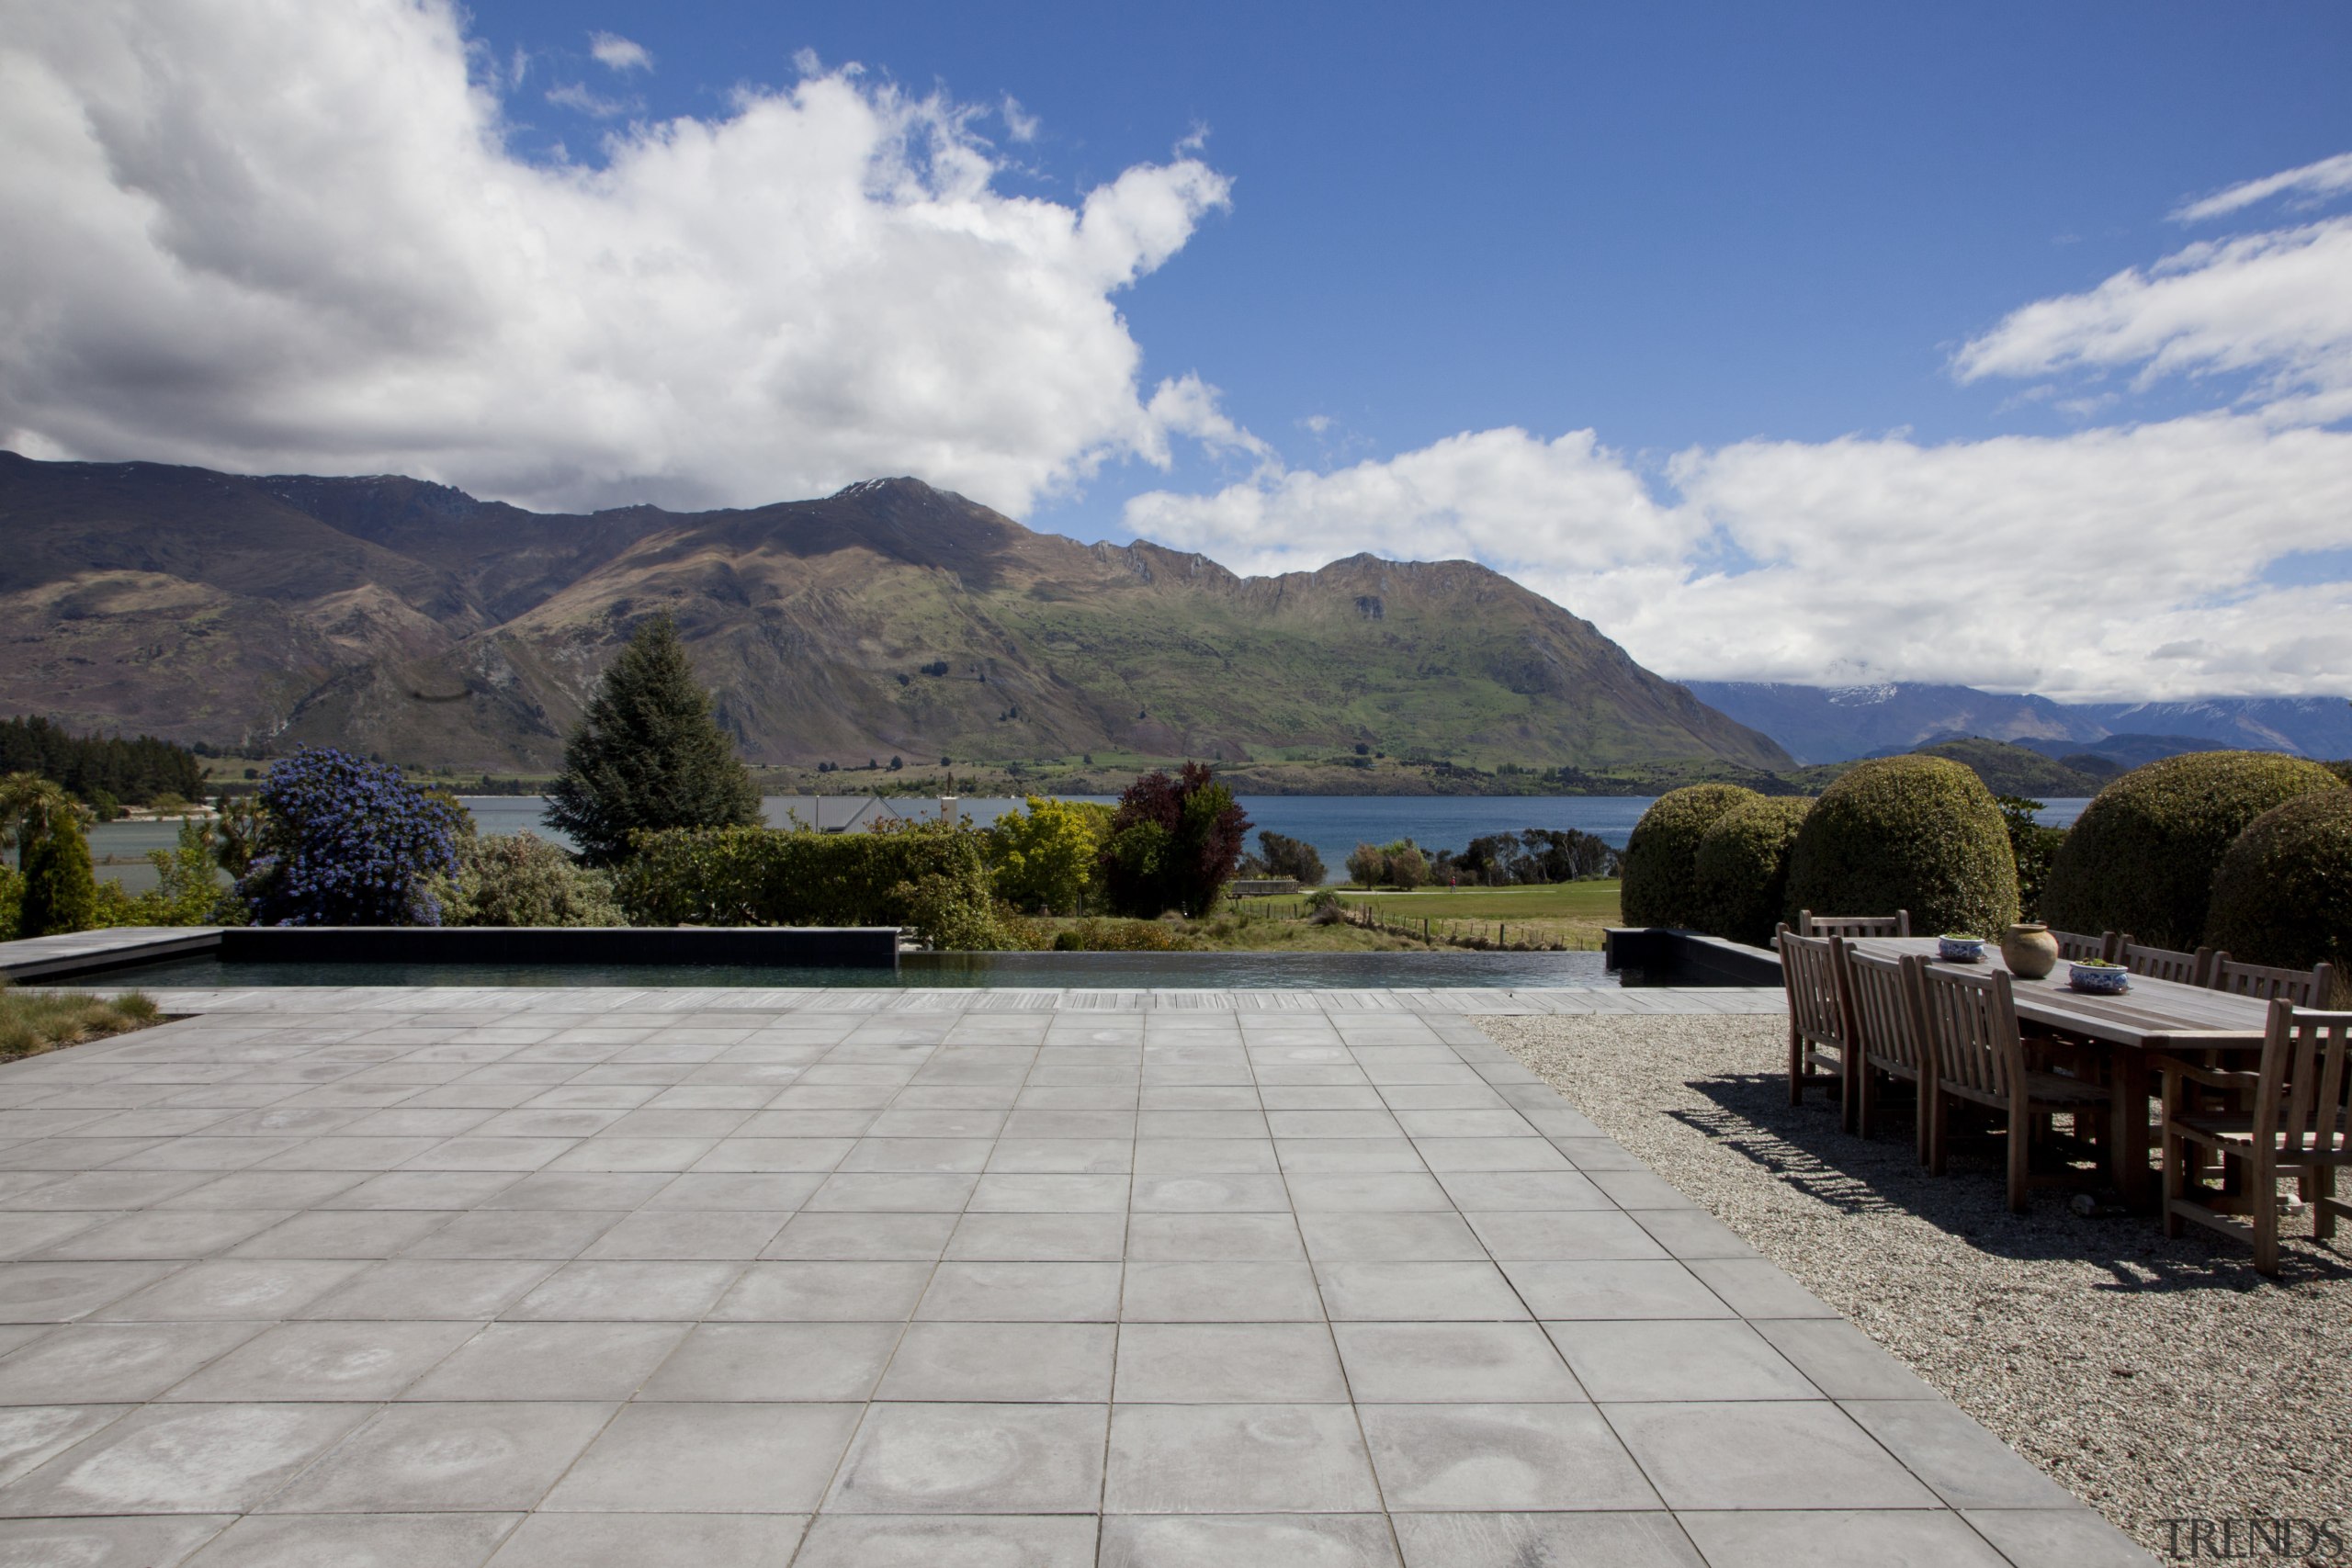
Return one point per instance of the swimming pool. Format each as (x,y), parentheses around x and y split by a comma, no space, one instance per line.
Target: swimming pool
(1114,971)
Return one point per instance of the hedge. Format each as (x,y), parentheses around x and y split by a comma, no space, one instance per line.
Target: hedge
(1740,875)
(2142,856)
(925,875)
(2283,894)
(1912,832)
(1661,857)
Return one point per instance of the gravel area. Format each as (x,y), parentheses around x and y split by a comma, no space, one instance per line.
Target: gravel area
(2155,1378)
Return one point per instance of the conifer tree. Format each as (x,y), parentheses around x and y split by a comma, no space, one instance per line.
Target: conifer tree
(647,754)
(60,892)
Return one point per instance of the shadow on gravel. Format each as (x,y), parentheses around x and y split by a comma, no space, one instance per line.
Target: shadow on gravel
(1808,1148)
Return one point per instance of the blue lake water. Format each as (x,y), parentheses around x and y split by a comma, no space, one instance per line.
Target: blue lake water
(1334,824)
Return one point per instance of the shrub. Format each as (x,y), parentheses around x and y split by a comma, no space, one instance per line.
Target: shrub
(2283,894)
(1044,859)
(60,892)
(1740,875)
(1408,867)
(12,902)
(347,843)
(187,890)
(1099,935)
(648,755)
(1173,844)
(520,879)
(1660,859)
(1913,832)
(920,875)
(1367,866)
(2143,855)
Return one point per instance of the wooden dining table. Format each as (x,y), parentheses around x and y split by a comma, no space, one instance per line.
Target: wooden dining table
(2152,1018)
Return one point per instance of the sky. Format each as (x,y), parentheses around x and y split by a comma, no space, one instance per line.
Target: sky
(2003,344)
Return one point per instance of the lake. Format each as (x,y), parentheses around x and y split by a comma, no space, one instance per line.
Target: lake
(1334,824)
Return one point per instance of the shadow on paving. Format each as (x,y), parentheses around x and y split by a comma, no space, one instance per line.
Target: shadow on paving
(1808,1148)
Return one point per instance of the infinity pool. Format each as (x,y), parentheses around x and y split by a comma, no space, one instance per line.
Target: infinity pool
(1120,971)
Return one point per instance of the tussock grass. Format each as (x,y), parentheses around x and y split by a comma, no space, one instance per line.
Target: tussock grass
(35,1022)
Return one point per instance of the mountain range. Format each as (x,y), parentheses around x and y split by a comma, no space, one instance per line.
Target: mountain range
(1837,724)
(412,621)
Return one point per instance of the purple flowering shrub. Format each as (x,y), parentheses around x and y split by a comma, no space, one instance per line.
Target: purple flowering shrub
(347,843)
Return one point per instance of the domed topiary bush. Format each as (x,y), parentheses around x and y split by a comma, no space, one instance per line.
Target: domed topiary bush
(1741,873)
(1912,832)
(2283,894)
(2141,858)
(1661,856)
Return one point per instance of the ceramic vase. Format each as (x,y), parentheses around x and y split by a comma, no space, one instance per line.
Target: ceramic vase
(2028,950)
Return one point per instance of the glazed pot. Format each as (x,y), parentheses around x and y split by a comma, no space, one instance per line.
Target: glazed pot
(2028,950)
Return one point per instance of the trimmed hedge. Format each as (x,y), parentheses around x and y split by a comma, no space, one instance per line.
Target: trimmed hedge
(2142,859)
(925,875)
(1740,875)
(1912,832)
(2283,894)
(1661,857)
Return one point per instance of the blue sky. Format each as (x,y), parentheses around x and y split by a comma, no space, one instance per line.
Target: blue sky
(2003,345)
(1676,224)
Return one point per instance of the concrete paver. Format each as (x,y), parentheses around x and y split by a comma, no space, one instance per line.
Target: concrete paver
(856,1280)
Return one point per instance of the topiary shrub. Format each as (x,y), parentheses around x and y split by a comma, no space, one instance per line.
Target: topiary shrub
(1740,875)
(1661,857)
(2141,858)
(2283,894)
(1913,832)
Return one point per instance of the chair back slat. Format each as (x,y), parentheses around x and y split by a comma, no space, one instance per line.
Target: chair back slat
(1852,926)
(1886,1020)
(2299,1101)
(1973,1027)
(2312,987)
(1809,970)
(2076,948)
(2166,963)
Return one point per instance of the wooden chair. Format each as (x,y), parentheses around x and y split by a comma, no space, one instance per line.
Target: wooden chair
(2314,988)
(2293,1121)
(1971,1032)
(2165,962)
(1889,1034)
(2073,947)
(1852,926)
(1820,1032)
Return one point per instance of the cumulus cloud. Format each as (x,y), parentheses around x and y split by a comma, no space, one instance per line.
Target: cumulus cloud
(2277,304)
(265,235)
(2170,559)
(2312,182)
(618,53)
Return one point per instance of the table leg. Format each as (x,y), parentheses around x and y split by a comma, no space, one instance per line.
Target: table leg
(2131,1140)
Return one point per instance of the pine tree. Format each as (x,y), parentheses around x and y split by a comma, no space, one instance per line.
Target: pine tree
(647,754)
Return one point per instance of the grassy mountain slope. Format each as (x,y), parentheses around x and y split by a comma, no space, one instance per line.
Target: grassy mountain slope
(410,620)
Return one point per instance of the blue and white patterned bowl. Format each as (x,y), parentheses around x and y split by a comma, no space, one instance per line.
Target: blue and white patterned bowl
(1960,949)
(2105,979)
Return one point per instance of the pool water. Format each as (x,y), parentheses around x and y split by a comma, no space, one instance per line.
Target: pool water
(1117,971)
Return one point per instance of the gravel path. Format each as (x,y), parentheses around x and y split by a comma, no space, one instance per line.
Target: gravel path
(2157,1380)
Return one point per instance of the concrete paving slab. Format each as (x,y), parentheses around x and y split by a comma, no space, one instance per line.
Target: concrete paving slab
(636,1276)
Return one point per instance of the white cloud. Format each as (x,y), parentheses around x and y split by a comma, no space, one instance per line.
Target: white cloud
(2313,182)
(618,53)
(1019,123)
(2278,304)
(2073,566)
(579,95)
(265,235)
